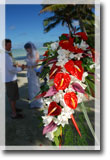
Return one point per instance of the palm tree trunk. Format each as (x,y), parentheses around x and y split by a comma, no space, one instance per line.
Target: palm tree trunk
(82,25)
(72,28)
(69,27)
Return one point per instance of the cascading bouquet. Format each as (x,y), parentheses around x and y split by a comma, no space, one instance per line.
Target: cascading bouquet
(69,69)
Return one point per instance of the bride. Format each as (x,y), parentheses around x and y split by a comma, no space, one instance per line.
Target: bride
(33,81)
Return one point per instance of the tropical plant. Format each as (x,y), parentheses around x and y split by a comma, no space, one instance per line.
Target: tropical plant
(66,14)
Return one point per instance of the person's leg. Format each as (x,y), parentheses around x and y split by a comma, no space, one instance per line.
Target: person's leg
(14,114)
(13,95)
(13,107)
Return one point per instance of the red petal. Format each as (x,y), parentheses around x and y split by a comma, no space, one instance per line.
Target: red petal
(54,70)
(62,81)
(54,109)
(83,35)
(71,100)
(75,68)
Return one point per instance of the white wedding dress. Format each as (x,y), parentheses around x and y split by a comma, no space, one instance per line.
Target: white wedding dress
(33,82)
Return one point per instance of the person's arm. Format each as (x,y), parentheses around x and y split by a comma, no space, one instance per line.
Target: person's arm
(37,56)
(10,66)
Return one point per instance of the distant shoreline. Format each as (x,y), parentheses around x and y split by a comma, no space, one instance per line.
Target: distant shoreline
(20,54)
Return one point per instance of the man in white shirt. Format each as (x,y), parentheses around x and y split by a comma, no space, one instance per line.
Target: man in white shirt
(11,71)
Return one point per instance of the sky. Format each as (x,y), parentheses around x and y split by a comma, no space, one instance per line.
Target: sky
(24,24)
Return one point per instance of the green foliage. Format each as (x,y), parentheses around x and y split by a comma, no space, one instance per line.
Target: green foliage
(56,141)
(66,14)
(86,62)
(57,132)
(57,137)
(72,138)
(91,40)
(90,78)
(77,40)
(90,83)
(40,121)
(62,37)
(52,8)
(44,88)
(47,43)
(44,72)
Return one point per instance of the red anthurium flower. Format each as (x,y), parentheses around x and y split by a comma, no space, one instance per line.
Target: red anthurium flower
(77,50)
(54,70)
(64,34)
(71,40)
(62,81)
(71,100)
(75,68)
(46,53)
(83,35)
(54,109)
(68,45)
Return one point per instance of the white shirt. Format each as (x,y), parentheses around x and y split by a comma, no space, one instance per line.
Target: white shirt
(10,70)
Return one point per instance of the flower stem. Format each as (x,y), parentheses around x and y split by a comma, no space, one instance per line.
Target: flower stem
(89,123)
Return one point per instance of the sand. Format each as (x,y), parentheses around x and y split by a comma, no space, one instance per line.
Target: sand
(27,131)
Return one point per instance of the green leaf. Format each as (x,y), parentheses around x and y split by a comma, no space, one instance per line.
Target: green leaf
(77,40)
(56,140)
(91,84)
(91,76)
(90,89)
(57,132)
(44,72)
(44,88)
(88,122)
(62,37)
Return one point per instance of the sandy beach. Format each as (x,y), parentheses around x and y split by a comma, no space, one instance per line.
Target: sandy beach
(27,131)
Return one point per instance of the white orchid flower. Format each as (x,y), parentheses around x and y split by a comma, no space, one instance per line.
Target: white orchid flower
(78,56)
(54,46)
(47,101)
(71,56)
(81,97)
(83,45)
(50,135)
(92,66)
(47,119)
(63,51)
(85,74)
(61,62)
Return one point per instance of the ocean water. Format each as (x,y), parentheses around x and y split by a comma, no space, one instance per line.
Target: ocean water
(20,54)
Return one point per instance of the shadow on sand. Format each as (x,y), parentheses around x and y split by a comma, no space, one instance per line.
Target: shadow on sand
(27,131)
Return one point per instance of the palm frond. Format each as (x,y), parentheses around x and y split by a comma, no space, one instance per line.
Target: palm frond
(49,20)
(52,8)
(51,26)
